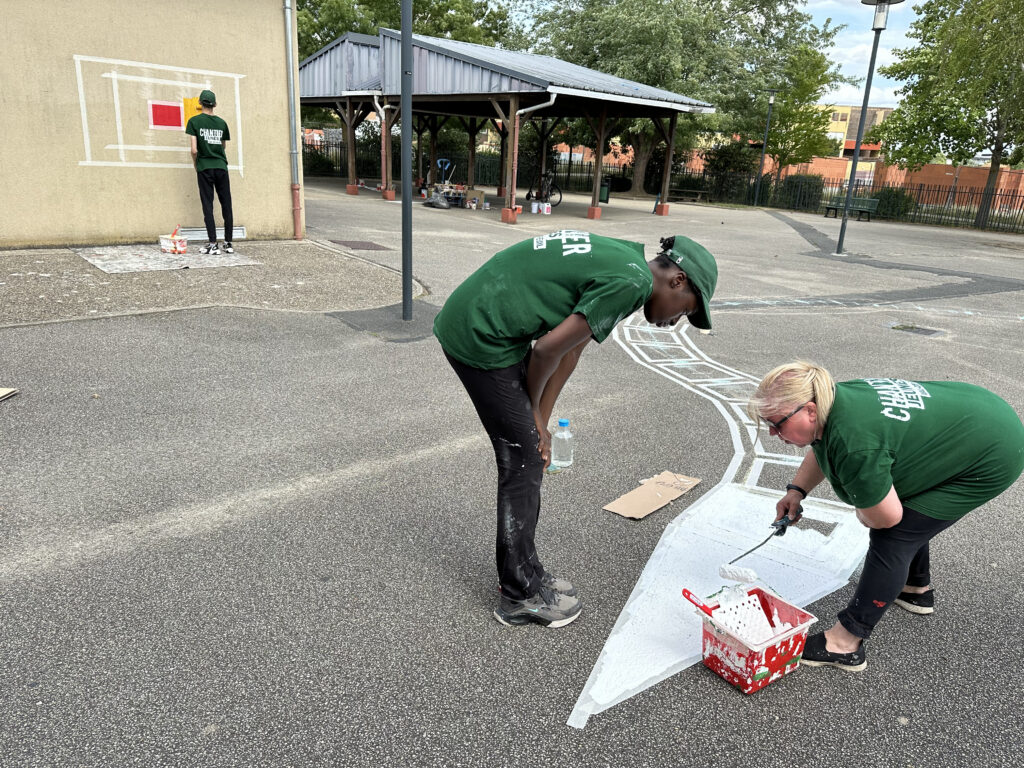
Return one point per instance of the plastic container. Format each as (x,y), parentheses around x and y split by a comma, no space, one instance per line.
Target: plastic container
(546,209)
(534,206)
(173,244)
(562,448)
(730,652)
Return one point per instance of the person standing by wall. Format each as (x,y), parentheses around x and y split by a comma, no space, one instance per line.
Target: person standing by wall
(209,135)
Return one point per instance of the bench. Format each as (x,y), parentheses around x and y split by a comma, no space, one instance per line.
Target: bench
(861,205)
(687,195)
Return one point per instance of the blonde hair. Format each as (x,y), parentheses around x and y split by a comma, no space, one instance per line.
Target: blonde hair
(790,386)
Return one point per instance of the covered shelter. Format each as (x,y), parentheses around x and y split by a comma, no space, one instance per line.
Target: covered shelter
(477,84)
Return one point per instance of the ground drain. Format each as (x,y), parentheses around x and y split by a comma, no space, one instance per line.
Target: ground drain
(361,245)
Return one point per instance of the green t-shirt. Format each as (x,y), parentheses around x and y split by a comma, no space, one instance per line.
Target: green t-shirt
(211,132)
(946,447)
(524,291)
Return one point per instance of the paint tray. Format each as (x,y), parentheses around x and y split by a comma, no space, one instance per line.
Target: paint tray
(754,641)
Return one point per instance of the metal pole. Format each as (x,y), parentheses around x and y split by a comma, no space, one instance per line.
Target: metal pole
(293,129)
(881,13)
(407,129)
(764,146)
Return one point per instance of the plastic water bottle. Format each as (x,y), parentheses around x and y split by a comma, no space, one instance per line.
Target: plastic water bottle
(561,446)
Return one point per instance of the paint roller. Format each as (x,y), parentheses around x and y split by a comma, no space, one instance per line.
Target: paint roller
(748,575)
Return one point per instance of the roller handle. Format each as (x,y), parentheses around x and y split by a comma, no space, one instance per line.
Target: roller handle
(785,521)
(697,601)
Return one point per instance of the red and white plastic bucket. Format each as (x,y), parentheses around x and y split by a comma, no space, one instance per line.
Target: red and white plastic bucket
(756,641)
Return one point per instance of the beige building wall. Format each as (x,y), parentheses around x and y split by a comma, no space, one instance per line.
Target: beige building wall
(82,162)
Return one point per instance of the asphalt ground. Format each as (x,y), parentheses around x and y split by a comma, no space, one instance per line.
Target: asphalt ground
(246,525)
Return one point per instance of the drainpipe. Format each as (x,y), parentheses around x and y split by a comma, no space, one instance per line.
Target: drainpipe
(292,122)
(515,140)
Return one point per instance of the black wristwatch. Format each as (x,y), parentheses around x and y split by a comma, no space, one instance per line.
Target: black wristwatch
(798,489)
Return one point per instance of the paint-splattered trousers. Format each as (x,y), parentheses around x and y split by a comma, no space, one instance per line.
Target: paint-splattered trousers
(503,405)
(896,557)
(216,179)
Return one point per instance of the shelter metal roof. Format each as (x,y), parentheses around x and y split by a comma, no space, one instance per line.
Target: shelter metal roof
(453,77)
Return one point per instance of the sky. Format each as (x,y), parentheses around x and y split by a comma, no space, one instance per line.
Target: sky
(852,50)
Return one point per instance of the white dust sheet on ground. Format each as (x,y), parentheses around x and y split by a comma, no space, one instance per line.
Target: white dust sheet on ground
(658,632)
(148,258)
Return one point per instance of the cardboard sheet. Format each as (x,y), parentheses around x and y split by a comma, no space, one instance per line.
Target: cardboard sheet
(652,494)
(5,393)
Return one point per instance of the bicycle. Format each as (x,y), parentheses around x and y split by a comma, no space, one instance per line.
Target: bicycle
(548,191)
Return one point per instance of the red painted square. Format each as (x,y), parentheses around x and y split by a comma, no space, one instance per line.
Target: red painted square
(164,114)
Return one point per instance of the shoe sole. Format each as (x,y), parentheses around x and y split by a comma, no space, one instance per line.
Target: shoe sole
(838,665)
(520,620)
(920,610)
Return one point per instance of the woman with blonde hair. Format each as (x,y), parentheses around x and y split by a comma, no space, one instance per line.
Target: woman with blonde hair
(912,457)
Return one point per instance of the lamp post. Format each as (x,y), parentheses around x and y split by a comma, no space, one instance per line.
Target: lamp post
(881,15)
(764,145)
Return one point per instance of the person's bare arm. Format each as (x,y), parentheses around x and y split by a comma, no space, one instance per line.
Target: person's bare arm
(195,148)
(545,359)
(885,514)
(558,379)
(808,476)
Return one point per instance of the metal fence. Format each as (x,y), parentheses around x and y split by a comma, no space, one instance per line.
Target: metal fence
(330,158)
(917,203)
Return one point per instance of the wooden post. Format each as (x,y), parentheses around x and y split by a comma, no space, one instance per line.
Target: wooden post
(661,209)
(594,211)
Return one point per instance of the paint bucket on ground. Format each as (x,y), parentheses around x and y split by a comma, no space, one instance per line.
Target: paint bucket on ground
(173,244)
(487,205)
(754,641)
(534,206)
(546,209)
(519,209)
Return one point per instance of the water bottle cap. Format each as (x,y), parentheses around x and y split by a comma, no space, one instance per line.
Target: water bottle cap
(563,422)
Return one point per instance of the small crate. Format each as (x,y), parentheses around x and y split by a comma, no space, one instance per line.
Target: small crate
(730,652)
(171,244)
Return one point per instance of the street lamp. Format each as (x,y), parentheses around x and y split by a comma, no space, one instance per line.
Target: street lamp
(764,145)
(881,15)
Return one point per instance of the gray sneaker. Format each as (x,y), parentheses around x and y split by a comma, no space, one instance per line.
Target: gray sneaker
(562,586)
(547,608)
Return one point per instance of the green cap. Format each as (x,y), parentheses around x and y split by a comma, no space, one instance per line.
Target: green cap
(700,267)
(208,99)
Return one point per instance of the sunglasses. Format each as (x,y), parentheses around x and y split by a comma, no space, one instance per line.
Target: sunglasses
(778,424)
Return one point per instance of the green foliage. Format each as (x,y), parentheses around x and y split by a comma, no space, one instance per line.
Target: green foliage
(963,82)
(728,169)
(801,192)
(894,203)
(799,129)
(320,22)
(716,51)
(316,163)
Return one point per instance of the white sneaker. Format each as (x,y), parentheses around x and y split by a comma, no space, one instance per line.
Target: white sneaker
(229,248)
(212,249)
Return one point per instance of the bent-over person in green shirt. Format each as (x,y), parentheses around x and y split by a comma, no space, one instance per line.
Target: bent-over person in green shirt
(513,332)
(912,457)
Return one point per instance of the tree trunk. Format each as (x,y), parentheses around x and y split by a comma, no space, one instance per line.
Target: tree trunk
(981,217)
(643,145)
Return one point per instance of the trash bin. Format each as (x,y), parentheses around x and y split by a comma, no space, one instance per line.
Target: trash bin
(602,195)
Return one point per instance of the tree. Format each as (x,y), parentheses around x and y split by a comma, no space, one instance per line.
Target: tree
(799,127)
(963,88)
(320,22)
(719,51)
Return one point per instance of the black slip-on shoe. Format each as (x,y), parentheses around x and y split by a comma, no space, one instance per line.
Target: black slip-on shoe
(923,603)
(815,655)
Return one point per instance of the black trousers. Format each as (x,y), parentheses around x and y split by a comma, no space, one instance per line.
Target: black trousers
(503,405)
(896,557)
(216,179)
